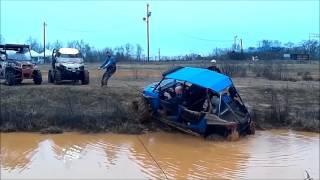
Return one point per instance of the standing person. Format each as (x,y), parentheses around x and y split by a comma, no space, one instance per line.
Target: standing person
(110,66)
(214,67)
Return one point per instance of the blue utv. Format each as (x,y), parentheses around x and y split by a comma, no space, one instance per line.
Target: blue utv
(196,101)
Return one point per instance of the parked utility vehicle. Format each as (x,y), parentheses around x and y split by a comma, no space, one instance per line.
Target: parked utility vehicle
(208,105)
(67,64)
(16,65)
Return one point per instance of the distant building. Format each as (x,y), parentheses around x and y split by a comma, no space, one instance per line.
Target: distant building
(300,57)
(286,56)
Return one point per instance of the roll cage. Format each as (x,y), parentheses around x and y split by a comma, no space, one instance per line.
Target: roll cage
(20,48)
(229,99)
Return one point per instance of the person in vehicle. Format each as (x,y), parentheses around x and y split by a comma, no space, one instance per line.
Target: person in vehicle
(177,97)
(173,97)
(110,66)
(195,97)
(169,93)
(211,104)
(213,66)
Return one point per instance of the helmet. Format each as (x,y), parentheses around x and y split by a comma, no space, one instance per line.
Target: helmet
(213,61)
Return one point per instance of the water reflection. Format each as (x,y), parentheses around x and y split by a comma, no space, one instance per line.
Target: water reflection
(18,150)
(268,154)
(182,157)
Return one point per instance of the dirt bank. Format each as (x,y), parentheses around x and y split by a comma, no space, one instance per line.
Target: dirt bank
(47,107)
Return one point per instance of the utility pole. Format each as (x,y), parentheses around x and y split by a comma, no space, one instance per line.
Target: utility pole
(235,42)
(241,46)
(159,54)
(44,41)
(147,20)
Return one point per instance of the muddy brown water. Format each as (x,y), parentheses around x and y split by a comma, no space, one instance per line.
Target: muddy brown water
(268,154)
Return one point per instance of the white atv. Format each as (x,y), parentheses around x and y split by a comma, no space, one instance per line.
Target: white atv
(67,64)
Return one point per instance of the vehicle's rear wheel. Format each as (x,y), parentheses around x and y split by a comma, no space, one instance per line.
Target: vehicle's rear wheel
(143,109)
(233,135)
(50,77)
(18,81)
(85,77)
(57,77)
(251,128)
(10,78)
(37,77)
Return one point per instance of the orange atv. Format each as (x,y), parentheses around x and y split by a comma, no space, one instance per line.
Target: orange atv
(16,65)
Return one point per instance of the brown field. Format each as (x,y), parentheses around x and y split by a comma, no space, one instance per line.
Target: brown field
(279,94)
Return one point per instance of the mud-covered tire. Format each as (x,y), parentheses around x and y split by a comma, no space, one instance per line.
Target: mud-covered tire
(233,135)
(37,77)
(85,77)
(10,78)
(50,77)
(251,129)
(143,110)
(18,81)
(57,77)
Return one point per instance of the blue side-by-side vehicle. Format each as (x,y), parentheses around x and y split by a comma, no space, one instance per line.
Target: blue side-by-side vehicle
(206,103)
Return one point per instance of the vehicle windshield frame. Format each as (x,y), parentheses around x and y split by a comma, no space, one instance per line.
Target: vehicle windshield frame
(159,86)
(13,54)
(78,55)
(229,108)
(69,58)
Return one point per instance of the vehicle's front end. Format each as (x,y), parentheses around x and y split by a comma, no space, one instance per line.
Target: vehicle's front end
(68,64)
(25,69)
(70,69)
(151,95)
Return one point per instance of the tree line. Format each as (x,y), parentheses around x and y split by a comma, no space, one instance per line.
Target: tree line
(266,50)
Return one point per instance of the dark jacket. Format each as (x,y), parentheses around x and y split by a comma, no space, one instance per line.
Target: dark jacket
(214,68)
(110,62)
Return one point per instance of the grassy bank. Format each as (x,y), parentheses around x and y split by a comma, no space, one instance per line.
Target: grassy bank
(85,109)
(275,102)
(296,109)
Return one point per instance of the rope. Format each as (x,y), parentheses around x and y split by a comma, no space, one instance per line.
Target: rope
(132,87)
(152,157)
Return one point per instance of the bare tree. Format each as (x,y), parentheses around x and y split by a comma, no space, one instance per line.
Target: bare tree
(57,44)
(138,52)
(129,48)
(49,46)
(34,44)
(311,47)
(119,53)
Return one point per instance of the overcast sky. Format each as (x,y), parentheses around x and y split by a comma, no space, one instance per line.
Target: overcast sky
(176,27)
